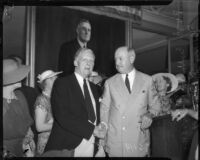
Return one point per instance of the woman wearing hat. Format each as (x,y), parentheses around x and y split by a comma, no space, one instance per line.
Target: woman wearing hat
(165,84)
(17,135)
(43,114)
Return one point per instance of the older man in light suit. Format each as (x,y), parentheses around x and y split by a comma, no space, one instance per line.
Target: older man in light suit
(127,108)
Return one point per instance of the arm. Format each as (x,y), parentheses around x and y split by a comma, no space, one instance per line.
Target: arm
(64,117)
(178,114)
(193,114)
(153,106)
(28,144)
(40,120)
(105,107)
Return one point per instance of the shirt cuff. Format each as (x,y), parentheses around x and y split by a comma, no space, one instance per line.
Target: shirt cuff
(105,125)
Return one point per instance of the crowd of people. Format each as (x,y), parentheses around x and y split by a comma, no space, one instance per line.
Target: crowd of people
(80,113)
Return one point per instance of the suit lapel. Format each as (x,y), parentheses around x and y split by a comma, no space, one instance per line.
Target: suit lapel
(77,89)
(121,89)
(121,86)
(96,98)
(138,82)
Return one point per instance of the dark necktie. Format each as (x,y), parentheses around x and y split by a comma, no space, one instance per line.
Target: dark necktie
(127,83)
(88,103)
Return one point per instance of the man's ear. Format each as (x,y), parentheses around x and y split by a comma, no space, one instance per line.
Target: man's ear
(132,58)
(75,63)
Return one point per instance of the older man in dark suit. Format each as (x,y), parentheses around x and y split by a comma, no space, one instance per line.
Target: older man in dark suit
(68,49)
(75,107)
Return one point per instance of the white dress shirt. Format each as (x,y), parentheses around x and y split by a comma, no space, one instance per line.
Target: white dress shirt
(83,45)
(131,77)
(86,147)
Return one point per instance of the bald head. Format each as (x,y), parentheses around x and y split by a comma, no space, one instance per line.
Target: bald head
(124,59)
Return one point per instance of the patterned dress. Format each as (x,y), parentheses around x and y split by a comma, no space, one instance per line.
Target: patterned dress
(43,102)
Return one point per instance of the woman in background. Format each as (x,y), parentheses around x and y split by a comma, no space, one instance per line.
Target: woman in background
(17,134)
(178,115)
(43,114)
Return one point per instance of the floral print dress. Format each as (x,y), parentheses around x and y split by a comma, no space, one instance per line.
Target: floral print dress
(43,102)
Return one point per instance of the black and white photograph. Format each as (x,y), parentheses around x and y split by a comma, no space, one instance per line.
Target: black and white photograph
(101,79)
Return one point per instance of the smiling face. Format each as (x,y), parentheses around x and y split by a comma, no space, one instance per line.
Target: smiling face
(84,62)
(124,60)
(84,32)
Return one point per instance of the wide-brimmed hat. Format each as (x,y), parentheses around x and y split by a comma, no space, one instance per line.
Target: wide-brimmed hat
(168,78)
(46,74)
(13,73)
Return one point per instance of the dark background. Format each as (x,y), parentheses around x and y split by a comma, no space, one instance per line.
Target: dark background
(56,25)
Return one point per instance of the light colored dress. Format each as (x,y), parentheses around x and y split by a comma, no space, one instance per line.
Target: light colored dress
(43,102)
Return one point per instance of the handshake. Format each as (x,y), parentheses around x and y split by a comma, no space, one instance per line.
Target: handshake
(100,130)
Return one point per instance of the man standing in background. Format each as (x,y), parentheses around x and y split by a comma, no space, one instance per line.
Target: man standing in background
(68,49)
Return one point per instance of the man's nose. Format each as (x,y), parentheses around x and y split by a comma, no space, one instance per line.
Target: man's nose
(87,31)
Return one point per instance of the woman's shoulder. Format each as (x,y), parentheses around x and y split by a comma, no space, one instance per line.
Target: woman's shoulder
(41,102)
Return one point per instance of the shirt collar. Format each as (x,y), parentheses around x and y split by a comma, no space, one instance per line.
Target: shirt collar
(131,77)
(130,74)
(81,43)
(79,78)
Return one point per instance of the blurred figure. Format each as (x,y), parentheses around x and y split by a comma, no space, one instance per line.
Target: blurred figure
(17,134)
(97,79)
(180,97)
(68,49)
(183,111)
(43,115)
(180,114)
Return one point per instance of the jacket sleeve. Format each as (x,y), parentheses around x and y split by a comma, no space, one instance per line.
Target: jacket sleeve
(105,104)
(62,115)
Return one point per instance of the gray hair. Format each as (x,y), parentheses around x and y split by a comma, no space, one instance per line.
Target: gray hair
(82,21)
(81,50)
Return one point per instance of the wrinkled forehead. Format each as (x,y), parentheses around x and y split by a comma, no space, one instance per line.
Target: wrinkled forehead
(87,54)
(85,25)
(122,52)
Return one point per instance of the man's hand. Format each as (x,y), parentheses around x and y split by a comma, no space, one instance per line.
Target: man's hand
(100,131)
(146,121)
